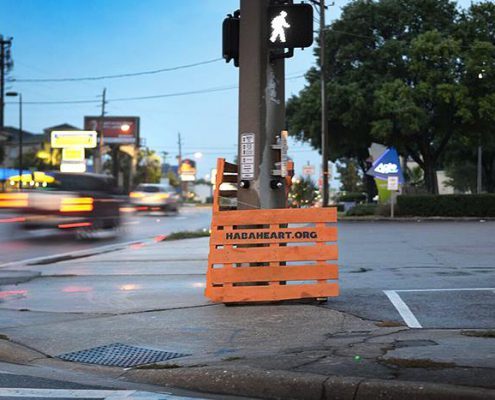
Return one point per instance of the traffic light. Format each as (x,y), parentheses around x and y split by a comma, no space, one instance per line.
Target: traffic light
(290,26)
(230,42)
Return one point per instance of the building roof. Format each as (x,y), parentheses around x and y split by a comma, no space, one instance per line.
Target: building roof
(11,135)
(61,127)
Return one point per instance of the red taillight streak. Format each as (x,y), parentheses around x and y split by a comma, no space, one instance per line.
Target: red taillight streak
(74,225)
(16,219)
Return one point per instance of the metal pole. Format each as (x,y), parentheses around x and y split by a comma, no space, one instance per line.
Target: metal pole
(20,141)
(261,106)
(99,151)
(2,87)
(479,180)
(324,105)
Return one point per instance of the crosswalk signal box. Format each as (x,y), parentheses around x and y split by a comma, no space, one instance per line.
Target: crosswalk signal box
(290,26)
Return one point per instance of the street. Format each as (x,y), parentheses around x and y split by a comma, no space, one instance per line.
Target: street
(17,245)
(410,291)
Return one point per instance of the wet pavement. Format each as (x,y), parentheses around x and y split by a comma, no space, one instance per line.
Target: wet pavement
(151,295)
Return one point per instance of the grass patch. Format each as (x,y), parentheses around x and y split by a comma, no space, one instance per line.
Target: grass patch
(159,366)
(483,334)
(233,358)
(3,337)
(418,363)
(187,235)
(389,324)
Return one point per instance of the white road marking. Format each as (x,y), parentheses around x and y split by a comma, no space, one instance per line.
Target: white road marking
(88,394)
(444,290)
(404,311)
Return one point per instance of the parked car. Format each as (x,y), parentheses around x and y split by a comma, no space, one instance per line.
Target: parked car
(155,197)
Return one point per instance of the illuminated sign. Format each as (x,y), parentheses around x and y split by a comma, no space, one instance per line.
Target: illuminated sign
(116,130)
(61,139)
(388,168)
(291,26)
(187,170)
(73,166)
(73,154)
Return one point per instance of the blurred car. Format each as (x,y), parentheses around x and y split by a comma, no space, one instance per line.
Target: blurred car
(155,197)
(82,202)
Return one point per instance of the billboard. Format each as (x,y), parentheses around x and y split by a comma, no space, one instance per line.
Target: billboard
(187,170)
(116,130)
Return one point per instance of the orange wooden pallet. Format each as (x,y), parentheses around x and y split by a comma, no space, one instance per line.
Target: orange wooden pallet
(270,255)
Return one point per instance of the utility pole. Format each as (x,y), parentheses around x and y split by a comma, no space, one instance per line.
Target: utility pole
(261,109)
(479,180)
(5,65)
(179,163)
(324,105)
(98,164)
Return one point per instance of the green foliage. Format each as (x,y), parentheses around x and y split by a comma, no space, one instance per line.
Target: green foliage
(188,234)
(149,168)
(416,75)
(358,197)
(362,210)
(351,179)
(303,193)
(455,205)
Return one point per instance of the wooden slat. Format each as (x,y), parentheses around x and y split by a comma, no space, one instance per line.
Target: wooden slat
(229,167)
(228,193)
(267,254)
(273,293)
(276,216)
(229,179)
(270,274)
(282,235)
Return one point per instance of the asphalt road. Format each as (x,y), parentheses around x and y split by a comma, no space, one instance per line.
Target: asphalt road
(18,245)
(422,274)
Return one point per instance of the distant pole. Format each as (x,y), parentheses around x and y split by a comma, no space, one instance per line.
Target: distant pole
(99,153)
(324,104)
(179,162)
(4,65)
(20,141)
(479,180)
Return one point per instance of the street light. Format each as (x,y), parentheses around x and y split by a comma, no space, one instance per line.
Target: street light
(15,94)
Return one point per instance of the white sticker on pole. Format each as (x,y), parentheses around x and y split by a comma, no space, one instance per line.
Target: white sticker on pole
(283,153)
(393,183)
(247,156)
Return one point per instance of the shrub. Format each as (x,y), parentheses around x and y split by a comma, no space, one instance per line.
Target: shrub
(451,205)
(361,210)
(350,197)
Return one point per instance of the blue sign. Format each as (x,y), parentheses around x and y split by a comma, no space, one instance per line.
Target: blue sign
(388,164)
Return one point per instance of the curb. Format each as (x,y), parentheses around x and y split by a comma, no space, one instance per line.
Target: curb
(415,219)
(15,353)
(287,385)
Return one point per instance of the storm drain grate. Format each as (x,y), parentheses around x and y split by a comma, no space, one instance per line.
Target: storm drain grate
(120,355)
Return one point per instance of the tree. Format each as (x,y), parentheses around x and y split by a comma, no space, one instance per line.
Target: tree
(303,193)
(395,76)
(350,178)
(148,167)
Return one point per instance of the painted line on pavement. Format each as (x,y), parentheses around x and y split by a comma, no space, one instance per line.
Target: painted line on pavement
(404,311)
(87,394)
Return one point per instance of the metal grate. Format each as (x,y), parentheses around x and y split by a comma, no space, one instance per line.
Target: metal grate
(120,355)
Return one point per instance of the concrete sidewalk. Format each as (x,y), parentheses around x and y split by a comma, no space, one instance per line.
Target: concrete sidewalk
(152,296)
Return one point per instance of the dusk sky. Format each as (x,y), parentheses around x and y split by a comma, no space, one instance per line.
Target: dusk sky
(90,38)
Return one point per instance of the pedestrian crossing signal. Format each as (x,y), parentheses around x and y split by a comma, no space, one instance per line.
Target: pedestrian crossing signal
(290,26)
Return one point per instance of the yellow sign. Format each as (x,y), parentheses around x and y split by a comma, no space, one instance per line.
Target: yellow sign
(73,154)
(61,139)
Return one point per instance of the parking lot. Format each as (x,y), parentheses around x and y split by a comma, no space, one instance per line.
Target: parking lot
(421,274)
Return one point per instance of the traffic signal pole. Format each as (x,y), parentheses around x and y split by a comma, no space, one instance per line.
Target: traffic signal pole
(261,110)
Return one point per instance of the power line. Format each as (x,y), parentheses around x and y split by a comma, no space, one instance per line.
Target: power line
(97,78)
(137,98)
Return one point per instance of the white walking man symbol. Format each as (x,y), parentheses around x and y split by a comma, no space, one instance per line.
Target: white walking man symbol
(279,24)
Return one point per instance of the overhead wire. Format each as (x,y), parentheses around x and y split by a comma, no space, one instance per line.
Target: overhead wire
(115,76)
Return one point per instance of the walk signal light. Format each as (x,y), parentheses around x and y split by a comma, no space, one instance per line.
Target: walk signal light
(290,26)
